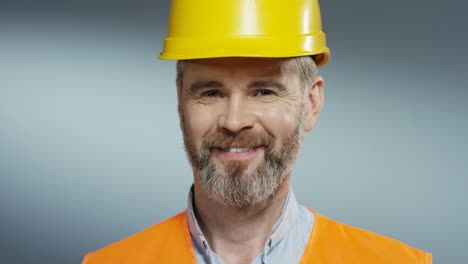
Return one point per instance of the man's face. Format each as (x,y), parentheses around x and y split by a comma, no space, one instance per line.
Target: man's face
(243,121)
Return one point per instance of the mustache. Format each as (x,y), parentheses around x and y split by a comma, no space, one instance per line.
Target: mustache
(227,139)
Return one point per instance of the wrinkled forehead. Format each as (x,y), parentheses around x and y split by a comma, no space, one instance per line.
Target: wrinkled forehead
(231,65)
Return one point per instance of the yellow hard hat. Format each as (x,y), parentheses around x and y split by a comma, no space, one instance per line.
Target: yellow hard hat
(245,28)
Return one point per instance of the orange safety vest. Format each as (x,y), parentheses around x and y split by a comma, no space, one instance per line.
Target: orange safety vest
(330,242)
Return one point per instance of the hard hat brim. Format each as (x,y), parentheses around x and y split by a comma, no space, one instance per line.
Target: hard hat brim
(247,46)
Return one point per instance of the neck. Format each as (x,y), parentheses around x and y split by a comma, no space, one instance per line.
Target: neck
(237,235)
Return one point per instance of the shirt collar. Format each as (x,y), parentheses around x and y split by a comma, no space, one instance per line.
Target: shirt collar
(195,230)
(287,219)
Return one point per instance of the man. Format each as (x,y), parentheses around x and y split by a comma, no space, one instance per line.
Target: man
(248,89)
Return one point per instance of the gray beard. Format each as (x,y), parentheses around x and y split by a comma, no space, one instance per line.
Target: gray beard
(230,184)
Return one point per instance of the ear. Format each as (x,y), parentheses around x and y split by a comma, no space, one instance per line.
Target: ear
(314,102)
(179,103)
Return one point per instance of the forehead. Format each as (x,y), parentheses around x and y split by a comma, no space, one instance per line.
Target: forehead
(235,66)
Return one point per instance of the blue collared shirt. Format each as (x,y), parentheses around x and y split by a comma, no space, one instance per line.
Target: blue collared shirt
(286,244)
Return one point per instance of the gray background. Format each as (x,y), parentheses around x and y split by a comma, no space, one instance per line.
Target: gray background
(91,152)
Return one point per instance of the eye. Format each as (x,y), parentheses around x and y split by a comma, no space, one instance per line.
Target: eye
(264,92)
(211,93)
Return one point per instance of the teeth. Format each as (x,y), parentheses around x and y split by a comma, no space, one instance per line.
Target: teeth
(239,149)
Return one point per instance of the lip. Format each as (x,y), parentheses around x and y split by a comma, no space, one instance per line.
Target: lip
(236,155)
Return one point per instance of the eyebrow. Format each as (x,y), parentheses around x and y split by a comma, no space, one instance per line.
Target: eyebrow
(199,85)
(196,86)
(273,84)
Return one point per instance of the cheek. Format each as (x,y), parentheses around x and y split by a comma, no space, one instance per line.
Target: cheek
(280,122)
(198,122)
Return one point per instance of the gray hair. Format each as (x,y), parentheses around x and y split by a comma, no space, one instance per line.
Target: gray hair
(305,64)
(307,69)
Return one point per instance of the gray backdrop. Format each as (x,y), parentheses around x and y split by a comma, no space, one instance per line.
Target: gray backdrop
(91,152)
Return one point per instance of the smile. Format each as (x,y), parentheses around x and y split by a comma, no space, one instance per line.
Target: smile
(237,150)
(237,153)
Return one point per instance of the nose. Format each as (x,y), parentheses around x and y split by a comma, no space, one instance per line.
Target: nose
(237,115)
